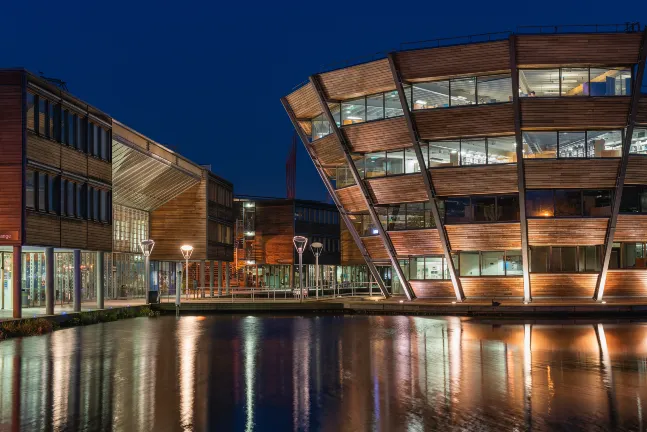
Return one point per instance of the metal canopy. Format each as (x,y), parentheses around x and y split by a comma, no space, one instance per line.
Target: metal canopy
(143,180)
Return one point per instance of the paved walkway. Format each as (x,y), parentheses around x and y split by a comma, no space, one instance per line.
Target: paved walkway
(34,312)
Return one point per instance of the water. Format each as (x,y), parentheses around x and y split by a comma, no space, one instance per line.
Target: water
(330,373)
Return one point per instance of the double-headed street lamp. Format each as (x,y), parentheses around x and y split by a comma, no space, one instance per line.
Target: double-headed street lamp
(187,250)
(300,244)
(316,249)
(147,248)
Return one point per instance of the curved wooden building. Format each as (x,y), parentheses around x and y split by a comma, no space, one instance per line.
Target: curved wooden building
(510,168)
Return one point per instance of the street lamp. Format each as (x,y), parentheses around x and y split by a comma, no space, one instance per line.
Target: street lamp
(300,243)
(147,248)
(316,249)
(187,250)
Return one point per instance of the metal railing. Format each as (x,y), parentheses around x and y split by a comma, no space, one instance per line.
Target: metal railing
(455,40)
(353,61)
(627,27)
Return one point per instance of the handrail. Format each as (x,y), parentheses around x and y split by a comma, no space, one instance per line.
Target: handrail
(457,40)
(581,28)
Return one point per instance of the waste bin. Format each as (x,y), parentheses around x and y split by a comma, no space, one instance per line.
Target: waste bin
(25,299)
(153,297)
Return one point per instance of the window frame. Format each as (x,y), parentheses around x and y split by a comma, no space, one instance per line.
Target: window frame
(560,78)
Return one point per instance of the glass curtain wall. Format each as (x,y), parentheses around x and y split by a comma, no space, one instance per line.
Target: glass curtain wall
(129,276)
(130,228)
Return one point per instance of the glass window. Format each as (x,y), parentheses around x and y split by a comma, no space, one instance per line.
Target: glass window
(359,165)
(429,217)
(416,215)
(590,258)
(575,81)
(96,141)
(31,112)
(95,204)
(397,217)
(69,199)
(375,164)
(42,188)
(320,127)
(630,201)
(353,111)
(417,268)
(444,153)
(51,121)
(395,162)
(538,82)
(494,89)
(539,259)
(492,264)
(457,210)
(513,263)
(42,117)
(375,107)
(78,201)
(634,255)
(463,91)
(411,160)
(70,129)
(431,95)
(639,141)
(104,143)
(484,209)
(344,177)
(501,150)
(335,111)
(433,268)
(81,133)
(610,82)
(597,203)
(508,208)
(469,264)
(568,202)
(563,259)
(604,143)
(571,144)
(539,203)
(51,194)
(103,205)
(540,145)
(473,152)
(392,105)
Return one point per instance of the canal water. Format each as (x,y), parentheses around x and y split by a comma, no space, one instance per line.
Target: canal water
(329,373)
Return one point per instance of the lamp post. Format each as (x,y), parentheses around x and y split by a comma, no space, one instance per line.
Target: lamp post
(316,249)
(187,250)
(300,243)
(147,248)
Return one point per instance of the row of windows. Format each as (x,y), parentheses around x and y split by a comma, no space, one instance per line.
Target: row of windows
(316,215)
(569,203)
(220,194)
(330,245)
(569,81)
(501,208)
(483,263)
(565,259)
(397,217)
(220,233)
(51,120)
(52,194)
(634,199)
(572,144)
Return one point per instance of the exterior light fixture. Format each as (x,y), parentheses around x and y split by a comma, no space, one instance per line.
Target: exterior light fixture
(300,244)
(187,250)
(316,249)
(146,247)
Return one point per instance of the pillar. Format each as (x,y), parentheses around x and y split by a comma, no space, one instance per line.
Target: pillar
(77,280)
(16,278)
(203,263)
(49,281)
(291,276)
(100,272)
(220,278)
(226,266)
(211,278)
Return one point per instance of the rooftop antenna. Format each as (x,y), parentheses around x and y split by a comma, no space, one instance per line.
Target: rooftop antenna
(291,170)
(57,82)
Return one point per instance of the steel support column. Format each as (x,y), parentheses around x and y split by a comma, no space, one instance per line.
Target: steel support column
(49,281)
(100,273)
(521,176)
(622,169)
(426,175)
(365,193)
(331,191)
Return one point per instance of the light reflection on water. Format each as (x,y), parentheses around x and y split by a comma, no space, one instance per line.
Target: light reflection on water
(328,373)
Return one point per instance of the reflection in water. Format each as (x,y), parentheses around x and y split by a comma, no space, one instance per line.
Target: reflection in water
(328,373)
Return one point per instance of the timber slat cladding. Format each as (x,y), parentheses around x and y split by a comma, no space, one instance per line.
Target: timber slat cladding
(100,170)
(563,284)
(42,229)
(328,150)
(470,59)
(11,152)
(631,228)
(375,248)
(390,134)
(43,150)
(578,49)
(490,179)
(306,125)
(274,233)
(351,199)
(74,234)
(574,113)
(416,242)
(571,173)
(398,189)
(492,287)
(73,161)
(624,283)
(304,102)
(641,115)
(567,232)
(100,236)
(636,170)
(478,237)
(350,253)
(359,80)
(433,288)
(469,121)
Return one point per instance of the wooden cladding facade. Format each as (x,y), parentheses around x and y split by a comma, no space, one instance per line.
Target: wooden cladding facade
(491,179)
(571,173)
(351,199)
(50,230)
(433,288)
(641,115)
(304,102)
(375,248)
(631,228)
(578,49)
(350,254)
(274,232)
(579,285)
(574,113)
(636,170)
(567,232)
(492,287)
(390,134)
(470,59)
(398,189)
(416,242)
(465,121)
(328,150)
(359,80)
(479,237)
(626,283)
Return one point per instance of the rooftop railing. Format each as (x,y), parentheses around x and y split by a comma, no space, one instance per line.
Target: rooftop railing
(456,40)
(627,27)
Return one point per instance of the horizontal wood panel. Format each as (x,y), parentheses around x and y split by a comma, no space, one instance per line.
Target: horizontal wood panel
(100,170)
(11,203)
(398,189)
(389,134)
(350,254)
(100,236)
(492,287)
(43,150)
(578,49)
(641,115)
(74,234)
(304,102)
(571,173)
(636,170)
(433,288)
(74,161)
(631,228)
(468,59)
(567,232)
(274,227)
(625,283)
(359,80)
(11,126)
(574,113)
(484,237)
(351,199)
(42,230)
(375,247)
(490,179)
(563,284)
(328,150)
(416,242)
(465,121)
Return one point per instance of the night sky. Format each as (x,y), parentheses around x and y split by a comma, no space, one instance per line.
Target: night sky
(205,78)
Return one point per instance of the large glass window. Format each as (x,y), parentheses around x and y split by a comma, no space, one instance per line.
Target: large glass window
(344,176)
(32,114)
(513,263)
(69,199)
(431,95)
(457,210)
(604,143)
(473,152)
(445,153)
(610,82)
(508,208)
(411,160)
(639,141)
(494,89)
(397,217)
(570,81)
(469,264)
(375,164)
(634,199)
(572,144)
(395,162)
(353,111)
(578,144)
(540,145)
(320,127)
(564,259)
(392,105)
(539,259)
(484,209)
(538,82)
(51,194)
(501,150)
(462,91)
(42,194)
(375,107)
(492,263)
(597,203)
(416,216)
(568,202)
(575,82)
(539,203)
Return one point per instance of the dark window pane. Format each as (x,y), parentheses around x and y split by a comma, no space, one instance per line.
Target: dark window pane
(597,203)
(51,194)
(96,141)
(95,204)
(633,255)
(375,164)
(29,189)
(78,201)
(397,217)
(484,209)
(568,202)
(643,200)
(31,112)
(539,259)
(593,258)
(539,203)
(508,208)
(81,133)
(103,206)
(42,116)
(457,210)
(415,215)
(104,144)
(69,199)
(42,186)
(392,108)
(569,259)
(375,107)
(630,201)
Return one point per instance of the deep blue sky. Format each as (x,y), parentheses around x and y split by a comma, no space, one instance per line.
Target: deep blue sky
(205,78)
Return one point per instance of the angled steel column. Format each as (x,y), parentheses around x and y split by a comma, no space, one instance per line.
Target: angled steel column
(333,195)
(521,176)
(365,193)
(622,169)
(426,175)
